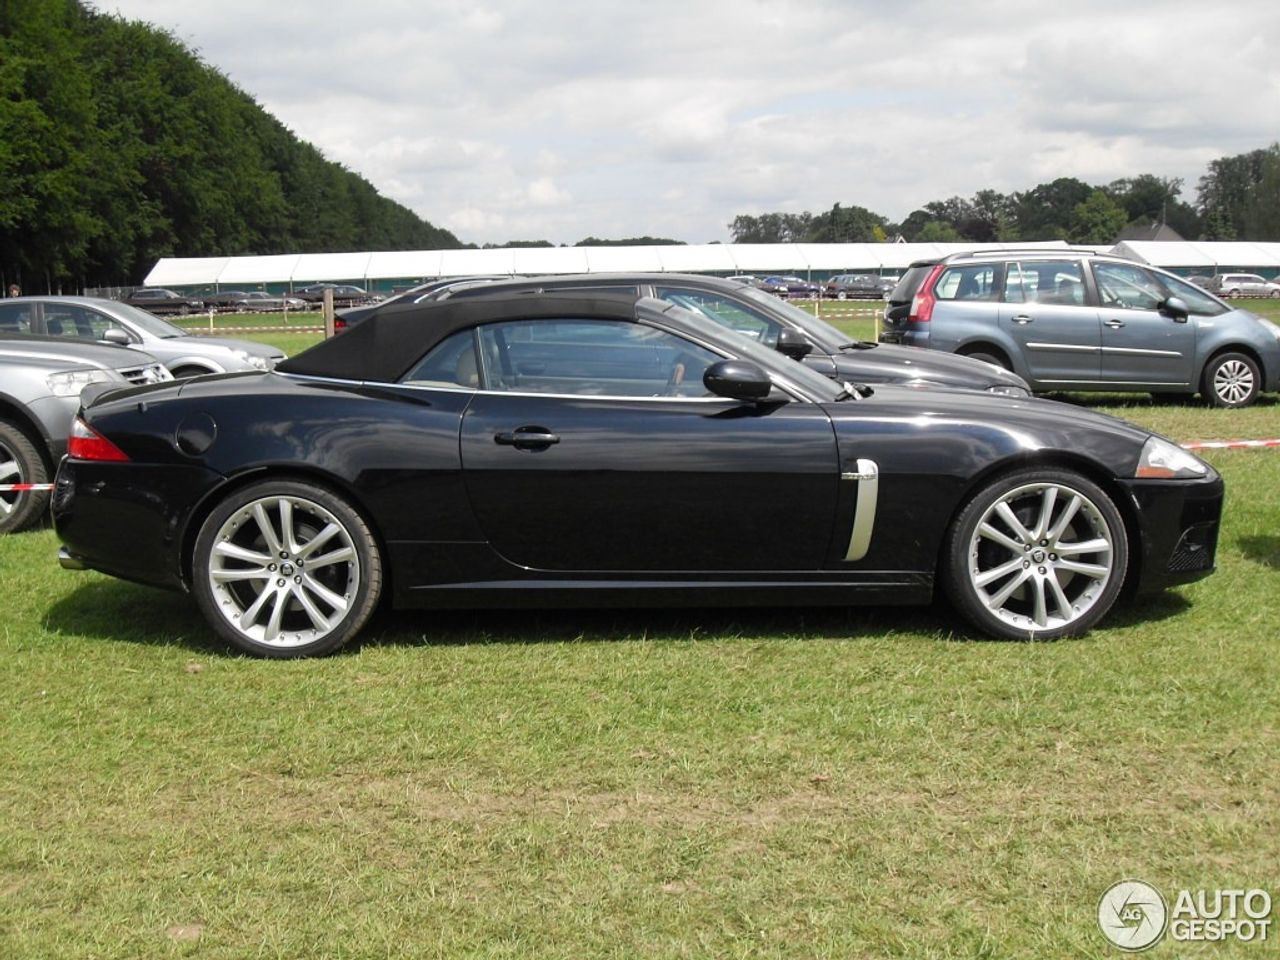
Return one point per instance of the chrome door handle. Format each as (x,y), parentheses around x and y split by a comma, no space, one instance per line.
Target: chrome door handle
(1113,324)
(1022,319)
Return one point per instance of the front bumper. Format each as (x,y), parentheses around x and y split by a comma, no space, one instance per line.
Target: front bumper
(1178,525)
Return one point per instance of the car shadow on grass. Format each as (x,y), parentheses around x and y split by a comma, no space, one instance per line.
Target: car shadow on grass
(1262,549)
(124,612)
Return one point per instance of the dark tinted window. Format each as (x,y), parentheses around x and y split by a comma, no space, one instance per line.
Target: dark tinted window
(16,317)
(590,358)
(452,362)
(910,283)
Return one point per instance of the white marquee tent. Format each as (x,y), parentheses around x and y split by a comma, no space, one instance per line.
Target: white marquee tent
(301,269)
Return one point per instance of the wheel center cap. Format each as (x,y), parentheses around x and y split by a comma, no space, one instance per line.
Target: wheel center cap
(286,569)
(1038,556)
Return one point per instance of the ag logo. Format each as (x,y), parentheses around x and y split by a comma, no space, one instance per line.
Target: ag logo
(1133,915)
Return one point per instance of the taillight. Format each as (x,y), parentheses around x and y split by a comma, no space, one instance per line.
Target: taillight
(85,443)
(922,303)
(339,324)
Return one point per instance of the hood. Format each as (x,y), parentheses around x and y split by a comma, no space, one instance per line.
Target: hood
(248,346)
(976,427)
(62,353)
(887,362)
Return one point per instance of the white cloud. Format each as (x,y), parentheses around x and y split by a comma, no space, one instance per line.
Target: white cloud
(519,119)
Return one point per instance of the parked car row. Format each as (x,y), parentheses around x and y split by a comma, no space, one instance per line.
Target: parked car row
(513,444)
(161,301)
(843,286)
(52,347)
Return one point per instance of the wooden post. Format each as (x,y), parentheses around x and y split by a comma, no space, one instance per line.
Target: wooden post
(328,312)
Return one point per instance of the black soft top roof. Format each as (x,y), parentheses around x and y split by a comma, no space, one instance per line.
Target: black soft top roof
(387,345)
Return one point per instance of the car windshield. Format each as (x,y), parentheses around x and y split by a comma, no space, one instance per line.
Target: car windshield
(746,348)
(147,321)
(822,333)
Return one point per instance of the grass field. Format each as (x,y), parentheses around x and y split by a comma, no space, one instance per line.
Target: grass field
(777,783)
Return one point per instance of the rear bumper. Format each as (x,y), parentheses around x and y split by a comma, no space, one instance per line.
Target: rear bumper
(130,526)
(1179,523)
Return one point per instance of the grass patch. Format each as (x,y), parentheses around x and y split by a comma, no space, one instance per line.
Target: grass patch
(774,783)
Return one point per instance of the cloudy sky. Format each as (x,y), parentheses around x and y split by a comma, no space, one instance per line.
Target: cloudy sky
(560,119)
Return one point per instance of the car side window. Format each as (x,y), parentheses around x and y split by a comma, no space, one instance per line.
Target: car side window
(972,282)
(75,323)
(452,362)
(16,317)
(726,312)
(1198,302)
(590,358)
(1127,286)
(1058,282)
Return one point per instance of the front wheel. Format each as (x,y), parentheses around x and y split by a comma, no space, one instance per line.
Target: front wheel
(20,464)
(1231,380)
(1036,554)
(285,569)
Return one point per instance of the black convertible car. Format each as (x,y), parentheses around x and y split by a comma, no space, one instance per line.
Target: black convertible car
(543,450)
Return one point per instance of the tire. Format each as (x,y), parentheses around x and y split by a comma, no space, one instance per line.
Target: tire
(1013,563)
(1274,294)
(1231,380)
(259,584)
(842,295)
(20,462)
(986,356)
(182,373)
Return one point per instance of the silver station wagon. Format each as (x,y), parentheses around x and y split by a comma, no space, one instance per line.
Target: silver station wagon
(1076,320)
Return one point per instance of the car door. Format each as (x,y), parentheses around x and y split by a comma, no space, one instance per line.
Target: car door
(592,445)
(1141,345)
(1045,312)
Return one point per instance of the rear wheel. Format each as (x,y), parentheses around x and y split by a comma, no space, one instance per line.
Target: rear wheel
(1231,380)
(286,569)
(987,356)
(1036,554)
(20,463)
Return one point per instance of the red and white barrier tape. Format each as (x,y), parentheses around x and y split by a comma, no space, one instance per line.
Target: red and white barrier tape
(1231,445)
(25,487)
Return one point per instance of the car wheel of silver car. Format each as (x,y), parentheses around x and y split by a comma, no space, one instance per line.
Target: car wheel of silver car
(20,463)
(1231,380)
(284,568)
(1036,554)
(1274,294)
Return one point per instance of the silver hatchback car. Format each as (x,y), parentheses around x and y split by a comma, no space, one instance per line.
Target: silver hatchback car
(40,383)
(109,321)
(1076,320)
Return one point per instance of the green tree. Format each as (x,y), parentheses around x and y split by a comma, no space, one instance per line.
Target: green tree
(938,231)
(1098,219)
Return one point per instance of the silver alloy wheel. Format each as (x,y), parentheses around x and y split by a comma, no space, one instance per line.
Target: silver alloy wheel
(1233,381)
(1041,556)
(283,571)
(10,473)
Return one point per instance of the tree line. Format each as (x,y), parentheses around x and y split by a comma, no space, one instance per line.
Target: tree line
(119,146)
(1238,198)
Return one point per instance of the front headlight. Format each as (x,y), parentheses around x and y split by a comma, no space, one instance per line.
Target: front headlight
(1163,460)
(258,363)
(69,383)
(1009,390)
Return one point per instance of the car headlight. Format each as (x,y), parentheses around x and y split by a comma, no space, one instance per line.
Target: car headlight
(258,363)
(69,383)
(1009,390)
(1166,461)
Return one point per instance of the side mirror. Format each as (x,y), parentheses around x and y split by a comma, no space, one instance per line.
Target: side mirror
(117,336)
(737,380)
(1176,308)
(793,344)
